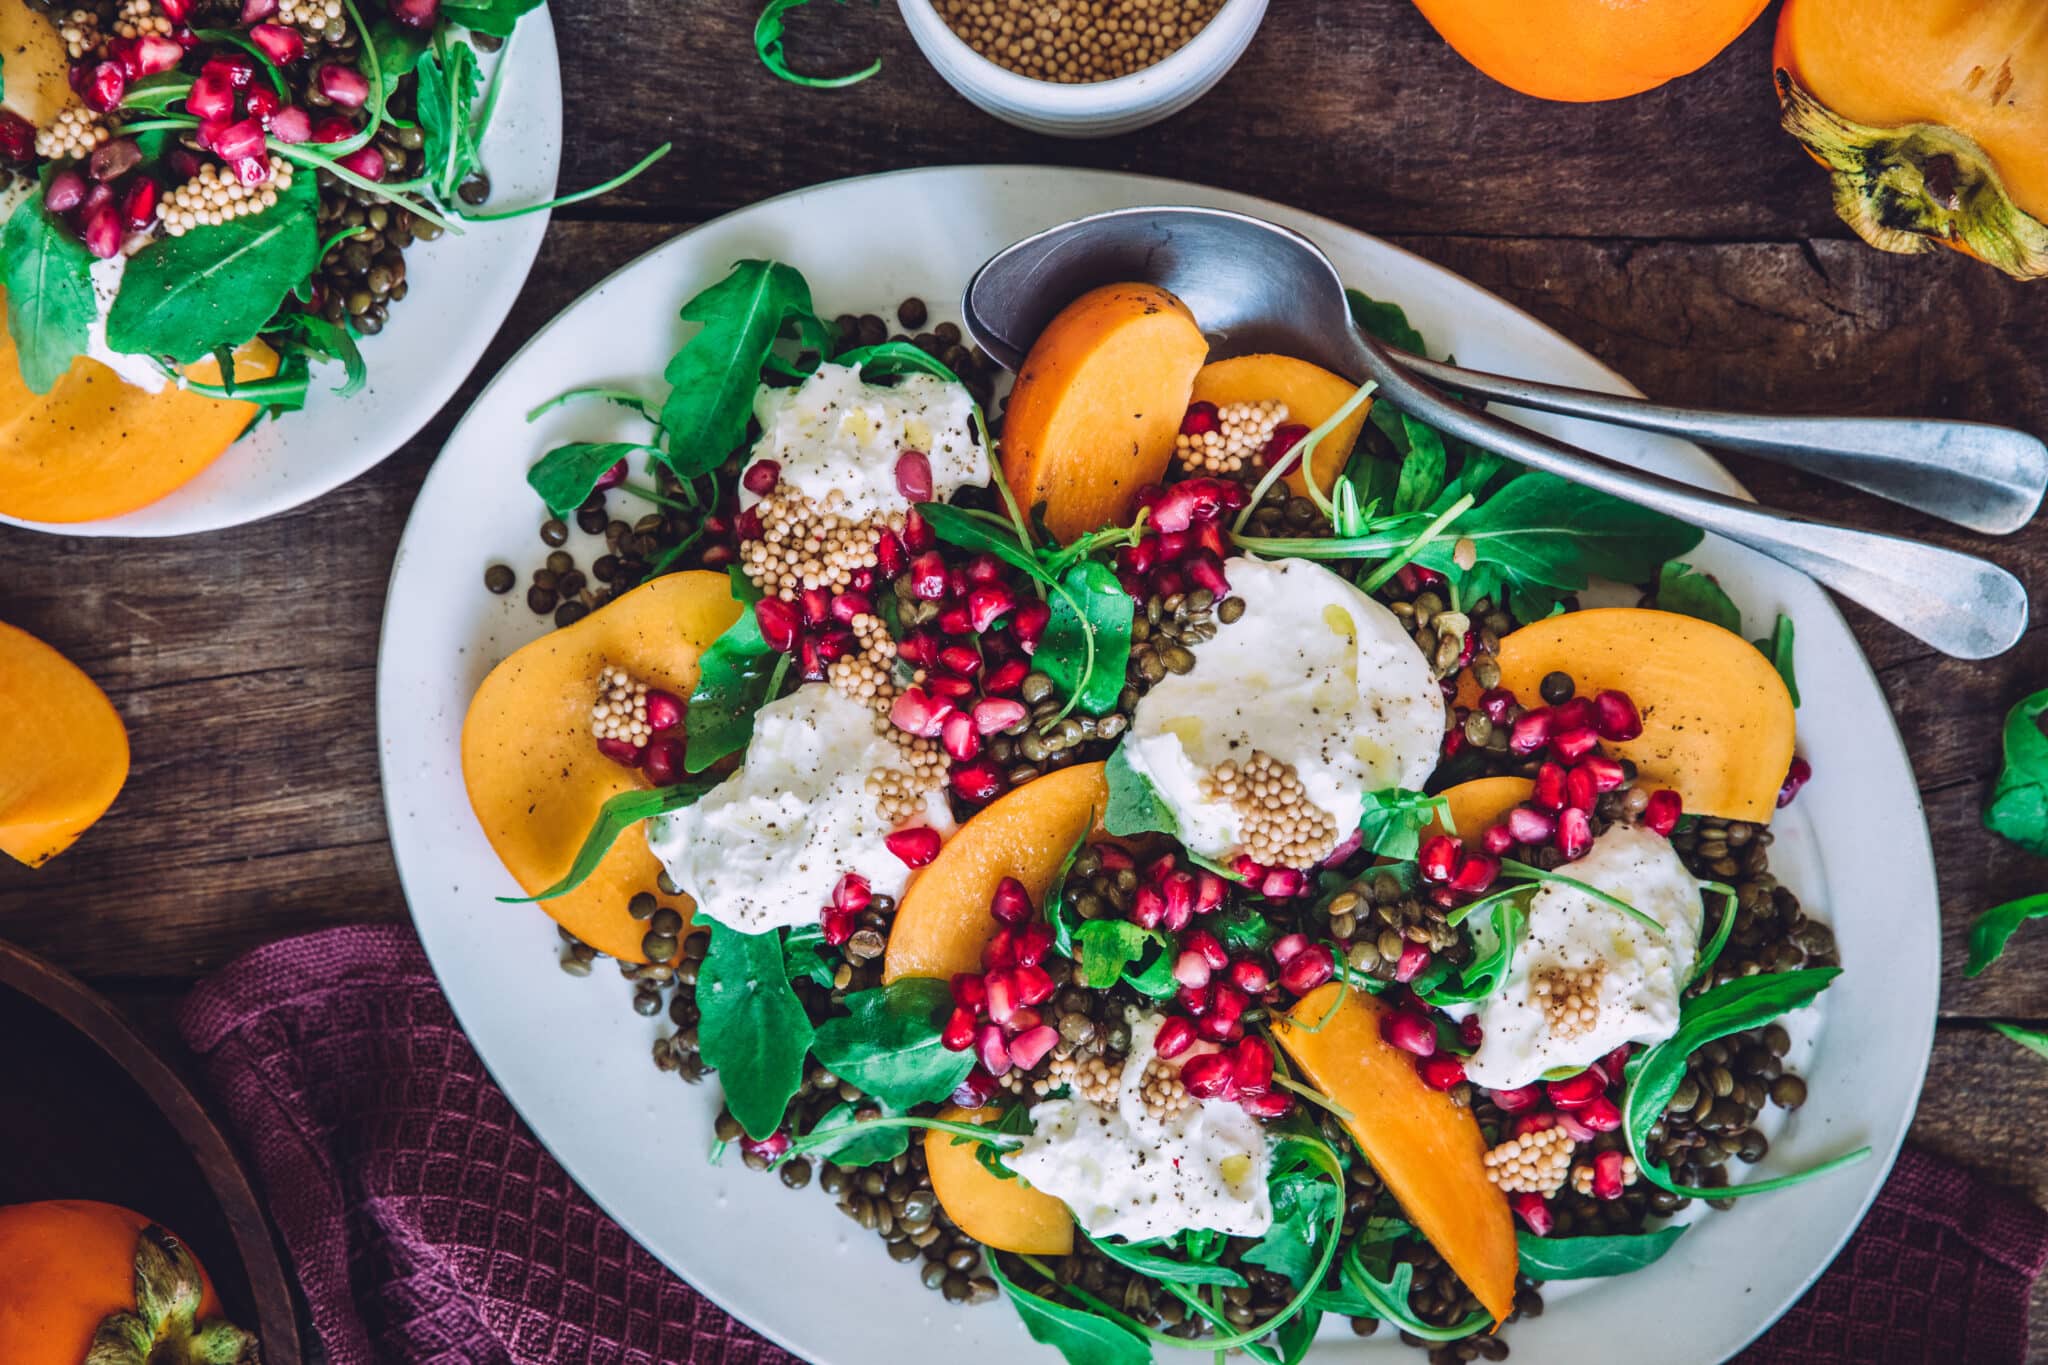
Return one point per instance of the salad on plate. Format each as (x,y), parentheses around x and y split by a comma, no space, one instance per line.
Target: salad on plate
(1190,851)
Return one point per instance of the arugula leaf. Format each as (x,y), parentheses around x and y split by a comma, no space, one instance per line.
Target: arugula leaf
(1382,1286)
(155,94)
(735,678)
(2019,803)
(1687,591)
(1395,818)
(1054,906)
(807,956)
(959,527)
(1482,977)
(713,377)
(448,85)
(889,1045)
(893,360)
(1424,470)
(399,49)
(1386,321)
(1654,1075)
(768,46)
(308,335)
(46,275)
(565,476)
(2032,1039)
(1108,946)
(614,818)
(1583,1258)
(752,1027)
(1990,930)
(1134,804)
(1148,1259)
(1303,1205)
(495,17)
(1777,647)
(1242,929)
(1084,1338)
(868,1147)
(1087,641)
(184,297)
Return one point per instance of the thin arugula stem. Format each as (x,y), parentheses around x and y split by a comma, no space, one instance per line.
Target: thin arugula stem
(1314,1097)
(675,552)
(1333,547)
(623,397)
(655,496)
(362,137)
(338,238)
(445,182)
(1712,952)
(1537,874)
(1487,902)
(1377,579)
(1316,437)
(168,123)
(593,192)
(1007,1142)
(297,154)
(480,124)
(1400,1314)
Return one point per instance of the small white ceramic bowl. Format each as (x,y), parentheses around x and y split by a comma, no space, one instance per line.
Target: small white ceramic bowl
(1100,109)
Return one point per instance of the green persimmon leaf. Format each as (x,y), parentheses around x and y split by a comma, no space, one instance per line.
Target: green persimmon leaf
(868,1147)
(1777,647)
(1687,591)
(2033,1039)
(735,678)
(565,476)
(1150,1260)
(495,17)
(1134,805)
(768,46)
(1087,641)
(714,376)
(889,1044)
(1585,1258)
(1082,1337)
(1990,931)
(2019,803)
(752,1027)
(182,298)
(614,818)
(46,274)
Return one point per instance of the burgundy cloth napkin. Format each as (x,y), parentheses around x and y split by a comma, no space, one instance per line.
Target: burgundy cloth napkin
(429,1227)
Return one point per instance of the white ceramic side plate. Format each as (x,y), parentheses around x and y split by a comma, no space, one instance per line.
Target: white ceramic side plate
(459,291)
(574,1059)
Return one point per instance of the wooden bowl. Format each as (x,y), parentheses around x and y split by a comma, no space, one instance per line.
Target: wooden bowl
(92,1112)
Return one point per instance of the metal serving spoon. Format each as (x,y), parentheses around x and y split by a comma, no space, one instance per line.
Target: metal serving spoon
(1257,286)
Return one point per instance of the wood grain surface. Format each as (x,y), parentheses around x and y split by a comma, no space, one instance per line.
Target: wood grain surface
(1679,236)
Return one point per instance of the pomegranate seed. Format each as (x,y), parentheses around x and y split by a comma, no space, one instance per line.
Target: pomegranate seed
(1288,946)
(915,711)
(1606,772)
(1271,1105)
(1280,446)
(1191,969)
(1148,907)
(1002,993)
(948,687)
(1574,834)
(977,781)
(664,761)
(1454,743)
(915,847)
(1470,1032)
(816,604)
(261,103)
(1615,715)
(1534,1123)
(152,55)
(1196,1003)
(1034,941)
(1192,500)
(1607,1182)
(1475,873)
(1440,1072)
(959,737)
(1004,679)
(995,714)
(1280,883)
(1551,792)
(177,11)
(961,660)
(837,924)
(779,623)
(914,476)
(1579,792)
(1210,947)
(104,87)
(664,710)
(846,606)
(1160,868)
(251,170)
(988,605)
(1573,745)
(1495,703)
(1527,825)
(1530,1208)
(1205,571)
(1210,1076)
(1200,420)
(1028,1048)
(1575,1092)
(1000,952)
(623,752)
(66,192)
(1519,1100)
(992,1050)
(1176,1035)
(1179,888)
(255,11)
(1251,1067)
(366,162)
(761,477)
(1310,968)
(772,1146)
(1209,891)
(17,138)
(1011,903)
(1028,625)
(1576,714)
(1114,858)
(851,893)
(1530,733)
(969,991)
(1409,1031)
(1602,1115)
(978,1089)
(1497,840)
(1413,962)
(415,13)
(928,577)
(1662,813)
(1579,1131)
(1615,1063)
(342,85)
(1250,977)
(335,128)
(917,533)
(282,45)
(1034,984)
(1438,858)
(1226,1007)
(958,1034)
(1797,776)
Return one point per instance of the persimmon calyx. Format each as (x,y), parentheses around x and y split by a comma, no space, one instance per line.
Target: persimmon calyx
(164,1327)
(1912,187)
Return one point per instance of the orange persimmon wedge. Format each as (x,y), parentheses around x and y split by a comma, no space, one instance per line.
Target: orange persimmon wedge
(1098,403)
(38,70)
(1006,1214)
(1717,720)
(535,777)
(94,447)
(1483,802)
(1425,1147)
(1312,395)
(943,922)
(63,750)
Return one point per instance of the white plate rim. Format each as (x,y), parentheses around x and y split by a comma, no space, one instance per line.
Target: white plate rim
(1704,471)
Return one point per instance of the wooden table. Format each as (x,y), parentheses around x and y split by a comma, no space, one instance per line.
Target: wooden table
(1680,236)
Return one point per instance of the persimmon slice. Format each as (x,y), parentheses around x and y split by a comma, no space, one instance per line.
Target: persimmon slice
(1312,395)
(1006,1214)
(63,750)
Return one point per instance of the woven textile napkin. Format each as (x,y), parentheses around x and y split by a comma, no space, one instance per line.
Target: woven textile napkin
(429,1227)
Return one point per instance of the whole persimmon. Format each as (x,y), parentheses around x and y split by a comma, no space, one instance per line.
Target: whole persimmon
(1583,50)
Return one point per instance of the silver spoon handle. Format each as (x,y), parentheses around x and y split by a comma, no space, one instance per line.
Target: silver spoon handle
(1985,477)
(1961,605)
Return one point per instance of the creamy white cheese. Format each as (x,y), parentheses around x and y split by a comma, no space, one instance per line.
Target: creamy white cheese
(764,848)
(1126,1174)
(836,432)
(1644,972)
(1315,673)
(138,370)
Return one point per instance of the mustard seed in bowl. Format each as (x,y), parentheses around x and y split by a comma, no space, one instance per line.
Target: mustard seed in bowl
(1076,42)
